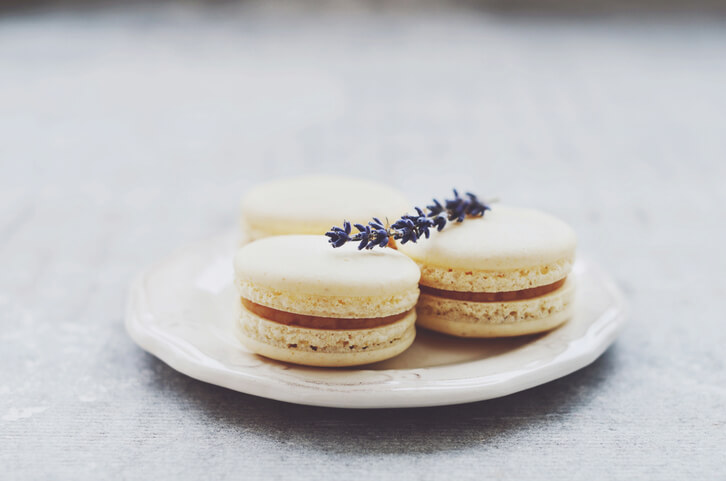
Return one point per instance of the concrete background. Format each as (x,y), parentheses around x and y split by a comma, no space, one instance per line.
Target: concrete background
(126,132)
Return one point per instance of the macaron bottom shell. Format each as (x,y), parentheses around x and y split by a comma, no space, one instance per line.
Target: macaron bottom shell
(325,347)
(496,319)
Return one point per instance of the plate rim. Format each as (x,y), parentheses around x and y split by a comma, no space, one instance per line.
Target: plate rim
(183,357)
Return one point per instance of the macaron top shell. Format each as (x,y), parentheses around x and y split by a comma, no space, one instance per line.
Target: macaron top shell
(505,238)
(313,204)
(307,264)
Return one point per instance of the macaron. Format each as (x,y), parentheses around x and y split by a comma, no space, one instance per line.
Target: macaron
(304,302)
(312,204)
(503,274)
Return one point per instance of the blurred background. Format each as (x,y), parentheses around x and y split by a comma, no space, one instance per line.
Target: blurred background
(128,129)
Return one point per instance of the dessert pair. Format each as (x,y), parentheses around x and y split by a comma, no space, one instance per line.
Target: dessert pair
(501,272)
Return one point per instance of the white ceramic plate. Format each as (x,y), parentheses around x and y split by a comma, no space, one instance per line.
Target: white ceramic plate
(184,309)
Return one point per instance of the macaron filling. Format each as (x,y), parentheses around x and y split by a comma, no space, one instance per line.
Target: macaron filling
(503,296)
(318,322)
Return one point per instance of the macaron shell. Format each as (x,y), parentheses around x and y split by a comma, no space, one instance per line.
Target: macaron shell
(459,329)
(309,265)
(473,280)
(313,204)
(496,319)
(504,239)
(355,307)
(321,347)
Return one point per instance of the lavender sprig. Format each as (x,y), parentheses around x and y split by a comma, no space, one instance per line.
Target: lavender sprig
(409,228)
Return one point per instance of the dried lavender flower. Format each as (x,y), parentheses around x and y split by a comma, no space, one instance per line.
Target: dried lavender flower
(409,228)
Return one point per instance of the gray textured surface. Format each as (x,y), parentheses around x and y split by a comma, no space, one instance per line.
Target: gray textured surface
(125,133)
